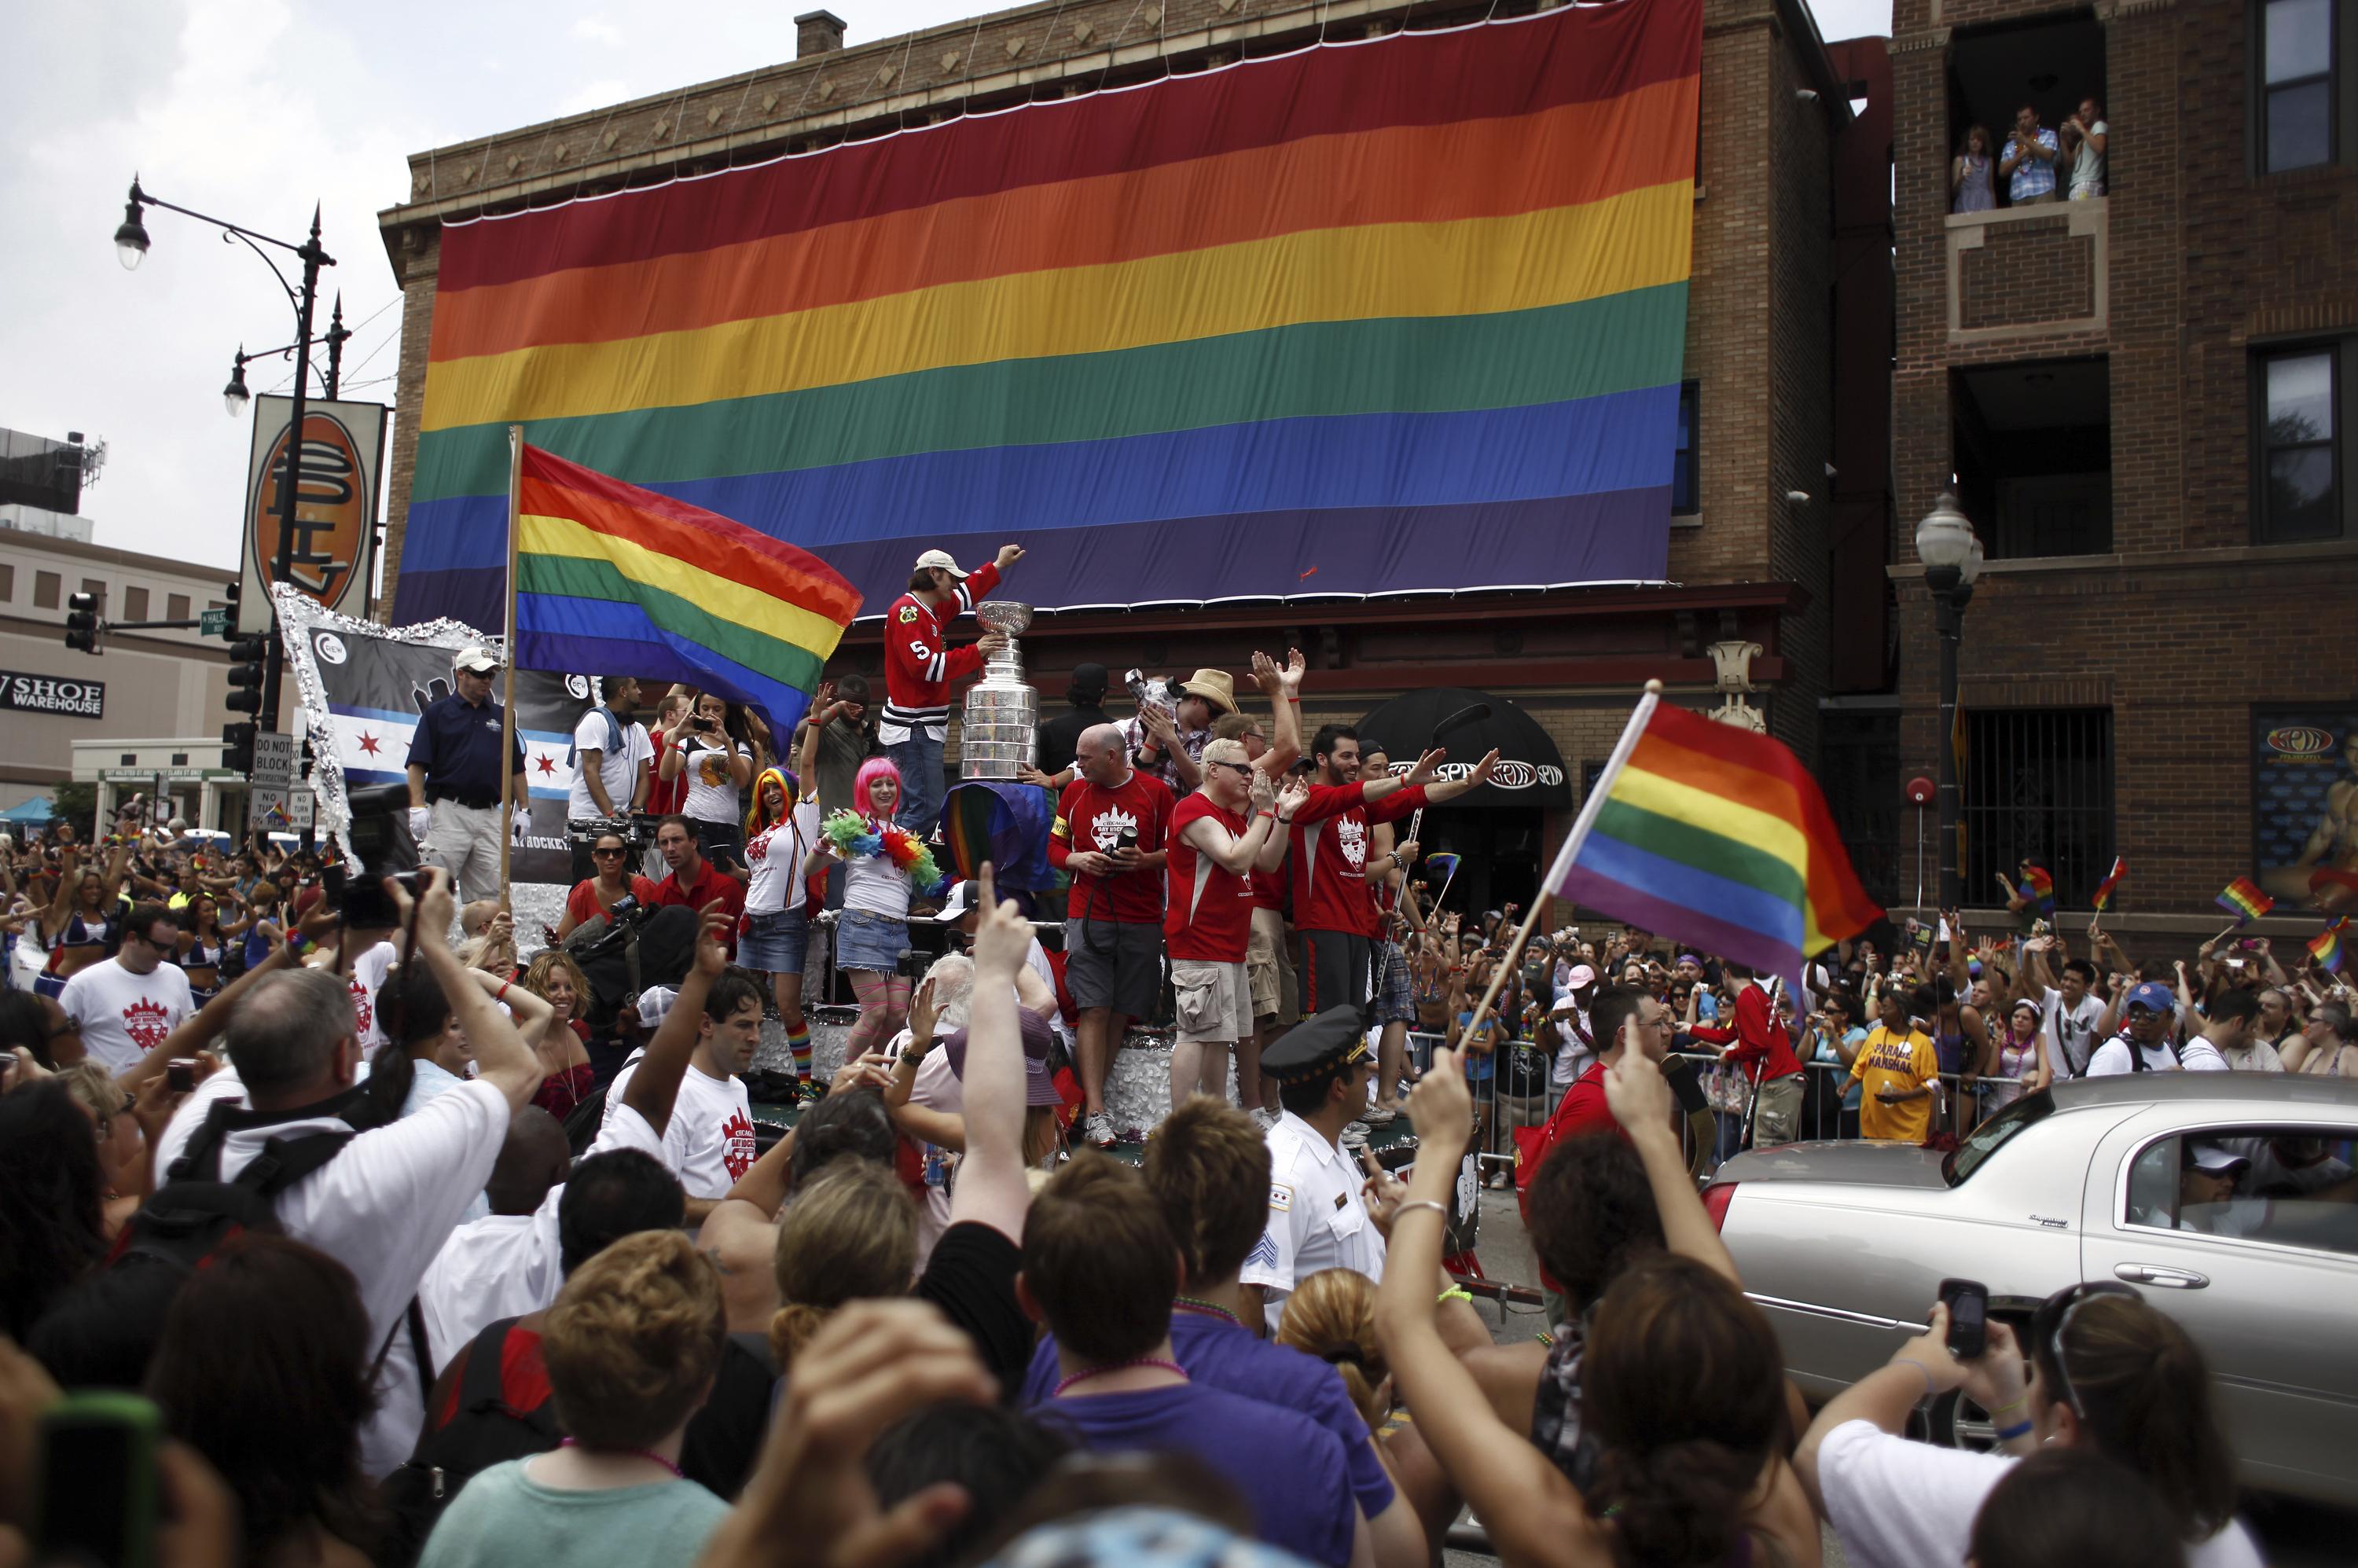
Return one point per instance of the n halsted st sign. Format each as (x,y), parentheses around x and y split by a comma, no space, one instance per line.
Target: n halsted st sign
(25,692)
(335,504)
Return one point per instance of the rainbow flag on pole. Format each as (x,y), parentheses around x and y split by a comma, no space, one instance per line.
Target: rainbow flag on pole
(1715,837)
(612,579)
(2244,901)
(2104,898)
(2038,888)
(2328,948)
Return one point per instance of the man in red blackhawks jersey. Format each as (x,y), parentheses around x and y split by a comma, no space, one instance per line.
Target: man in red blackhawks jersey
(1109,835)
(1215,850)
(1332,907)
(920,664)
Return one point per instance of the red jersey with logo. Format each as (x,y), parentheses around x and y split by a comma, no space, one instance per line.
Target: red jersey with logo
(1328,848)
(918,667)
(1210,916)
(1091,817)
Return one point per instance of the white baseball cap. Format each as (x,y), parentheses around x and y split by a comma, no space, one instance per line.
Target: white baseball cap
(954,907)
(941,558)
(477,660)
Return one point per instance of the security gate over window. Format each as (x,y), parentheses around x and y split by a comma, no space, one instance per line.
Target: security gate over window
(2039,785)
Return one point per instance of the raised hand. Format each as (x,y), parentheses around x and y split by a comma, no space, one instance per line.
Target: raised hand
(1008,556)
(1425,765)
(1268,676)
(1003,938)
(1264,792)
(1296,666)
(712,931)
(1297,795)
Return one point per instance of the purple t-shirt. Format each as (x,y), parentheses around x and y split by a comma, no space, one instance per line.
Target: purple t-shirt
(1222,1355)
(1288,1468)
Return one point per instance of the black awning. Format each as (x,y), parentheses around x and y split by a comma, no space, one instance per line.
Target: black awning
(1530,772)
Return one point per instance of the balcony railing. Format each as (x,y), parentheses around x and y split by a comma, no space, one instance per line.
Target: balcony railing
(2030,272)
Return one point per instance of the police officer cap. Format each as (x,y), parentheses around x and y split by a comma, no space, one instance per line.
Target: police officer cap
(1317,1047)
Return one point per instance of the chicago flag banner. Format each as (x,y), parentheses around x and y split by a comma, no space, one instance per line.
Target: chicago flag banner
(1394,316)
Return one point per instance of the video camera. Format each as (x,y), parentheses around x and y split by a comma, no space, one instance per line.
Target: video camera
(379,839)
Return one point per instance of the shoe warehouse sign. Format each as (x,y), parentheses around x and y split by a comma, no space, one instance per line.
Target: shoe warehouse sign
(23,693)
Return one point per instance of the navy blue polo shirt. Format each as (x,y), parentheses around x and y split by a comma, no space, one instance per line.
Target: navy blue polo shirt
(459,746)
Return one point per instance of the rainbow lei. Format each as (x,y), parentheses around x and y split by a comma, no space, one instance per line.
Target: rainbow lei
(849,835)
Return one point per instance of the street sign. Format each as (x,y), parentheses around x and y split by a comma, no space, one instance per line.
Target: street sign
(274,759)
(213,623)
(301,807)
(266,804)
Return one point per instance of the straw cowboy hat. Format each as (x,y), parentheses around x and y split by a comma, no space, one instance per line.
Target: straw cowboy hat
(1214,686)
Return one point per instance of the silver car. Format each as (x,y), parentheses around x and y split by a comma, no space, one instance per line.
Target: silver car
(1845,1245)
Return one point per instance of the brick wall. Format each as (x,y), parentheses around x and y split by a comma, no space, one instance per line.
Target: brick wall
(2187,626)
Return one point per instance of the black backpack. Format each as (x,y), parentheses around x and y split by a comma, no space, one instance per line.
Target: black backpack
(484,1430)
(195,1211)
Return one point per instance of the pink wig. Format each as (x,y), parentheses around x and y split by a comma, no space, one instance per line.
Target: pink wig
(871,770)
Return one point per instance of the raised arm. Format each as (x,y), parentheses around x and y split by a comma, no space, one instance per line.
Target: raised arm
(501,1058)
(654,1088)
(1434,793)
(1641,1102)
(1283,689)
(1533,1514)
(992,1188)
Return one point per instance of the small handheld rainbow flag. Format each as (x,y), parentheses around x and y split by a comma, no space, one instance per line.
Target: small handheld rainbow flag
(2104,896)
(1716,838)
(2038,888)
(2328,948)
(2244,901)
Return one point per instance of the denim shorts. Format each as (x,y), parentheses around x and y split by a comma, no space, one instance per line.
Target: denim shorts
(866,940)
(775,943)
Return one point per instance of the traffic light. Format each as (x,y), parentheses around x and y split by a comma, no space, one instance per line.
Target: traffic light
(228,599)
(245,664)
(237,746)
(82,621)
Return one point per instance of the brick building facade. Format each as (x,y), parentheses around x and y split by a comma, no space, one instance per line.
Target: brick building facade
(1767,326)
(2136,400)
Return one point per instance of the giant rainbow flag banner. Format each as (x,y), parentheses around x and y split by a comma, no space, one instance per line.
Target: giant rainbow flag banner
(1716,838)
(1392,316)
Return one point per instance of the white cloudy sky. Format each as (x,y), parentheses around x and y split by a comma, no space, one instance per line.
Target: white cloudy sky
(251,110)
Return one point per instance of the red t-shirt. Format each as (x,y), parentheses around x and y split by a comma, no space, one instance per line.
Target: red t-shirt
(1269,887)
(581,904)
(714,883)
(665,796)
(1210,916)
(1091,817)
(1763,1050)
(1583,1110)
(1328,848)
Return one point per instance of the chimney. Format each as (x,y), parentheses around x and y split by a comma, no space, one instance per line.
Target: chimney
(816,32)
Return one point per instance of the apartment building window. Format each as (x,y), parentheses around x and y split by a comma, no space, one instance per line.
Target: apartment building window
(2297,444)
(96,589)
(176,607)
(7,583)
(45,590)
(2297,46)
(135,604)
(2037,784)
(1686,495)
(2033,445)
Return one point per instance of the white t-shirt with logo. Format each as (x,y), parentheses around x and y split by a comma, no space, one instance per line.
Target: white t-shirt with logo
(618,766)
(709,1143)
(711,793)
(775,859)
(2072,1031)
(368,977)
(122,1016)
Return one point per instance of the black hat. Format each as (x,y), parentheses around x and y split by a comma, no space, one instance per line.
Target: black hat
(1088,681)
(1318,1047)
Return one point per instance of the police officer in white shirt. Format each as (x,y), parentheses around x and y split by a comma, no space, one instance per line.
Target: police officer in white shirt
(1317,1216)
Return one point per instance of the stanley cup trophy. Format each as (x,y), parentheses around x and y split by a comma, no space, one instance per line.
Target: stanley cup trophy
(1002,711)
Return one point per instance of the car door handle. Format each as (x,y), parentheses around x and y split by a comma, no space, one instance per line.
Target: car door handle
(2155,1274)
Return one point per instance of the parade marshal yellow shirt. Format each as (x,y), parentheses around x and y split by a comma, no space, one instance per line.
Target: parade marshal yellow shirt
(1890,1060)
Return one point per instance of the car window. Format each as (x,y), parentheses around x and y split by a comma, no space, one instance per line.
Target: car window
(2294,1186)
(1976,1148)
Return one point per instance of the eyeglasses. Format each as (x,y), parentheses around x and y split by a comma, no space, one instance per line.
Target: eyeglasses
(603,852)
(2053,1318)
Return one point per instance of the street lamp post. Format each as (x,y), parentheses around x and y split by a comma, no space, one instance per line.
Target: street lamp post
(1952,560)
(131,244)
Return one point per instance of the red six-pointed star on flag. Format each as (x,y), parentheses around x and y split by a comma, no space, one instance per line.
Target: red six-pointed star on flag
(368,743)
(547,763)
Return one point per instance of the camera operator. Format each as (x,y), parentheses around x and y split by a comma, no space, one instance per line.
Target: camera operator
(615,881)
(717,763)
(610,773)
